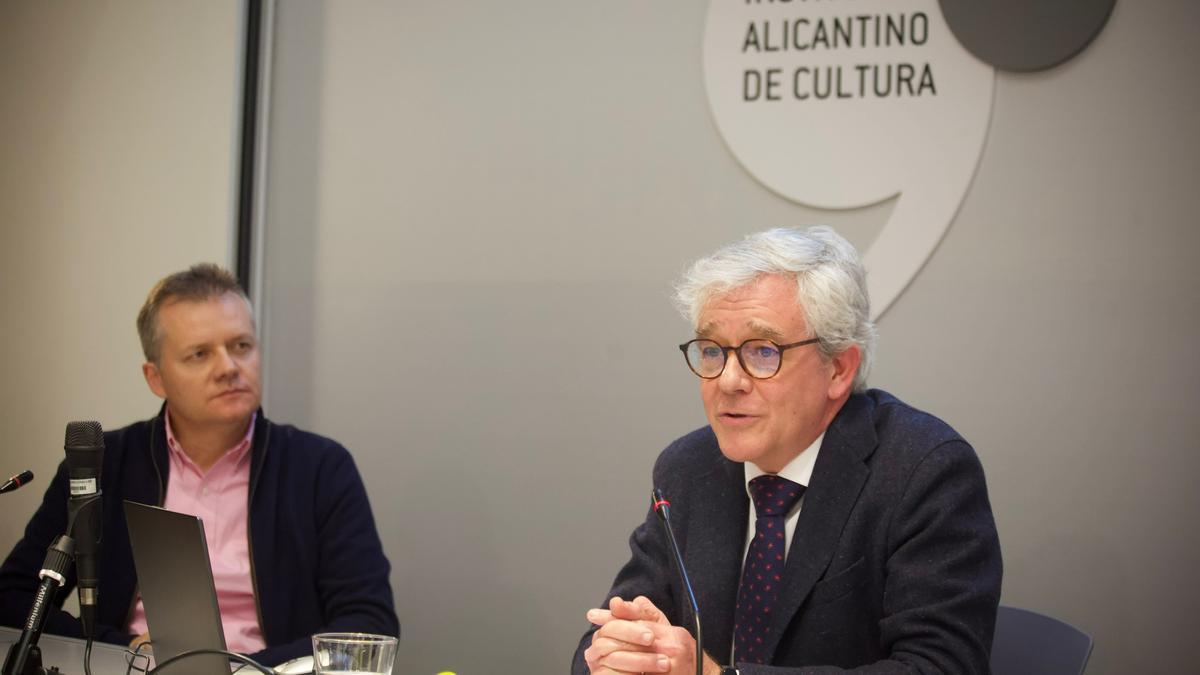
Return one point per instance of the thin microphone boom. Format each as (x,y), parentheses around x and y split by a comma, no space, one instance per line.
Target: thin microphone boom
(663,508)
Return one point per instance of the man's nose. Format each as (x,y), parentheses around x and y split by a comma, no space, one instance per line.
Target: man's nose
(733,378)
(227,366)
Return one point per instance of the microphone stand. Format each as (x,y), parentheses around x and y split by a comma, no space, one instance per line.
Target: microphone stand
(663,508)
(24,657)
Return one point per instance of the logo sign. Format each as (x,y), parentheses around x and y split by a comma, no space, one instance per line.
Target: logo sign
(841,104)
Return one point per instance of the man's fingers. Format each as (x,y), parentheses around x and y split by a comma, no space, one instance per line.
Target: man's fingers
(594,656)
(639,609)
(599,617)
(648,610)
(613,655)
(634,634)
(624,661)
(623,609)
(602,647)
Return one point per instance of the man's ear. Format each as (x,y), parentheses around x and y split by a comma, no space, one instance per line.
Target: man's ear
(845,367)
(154,379)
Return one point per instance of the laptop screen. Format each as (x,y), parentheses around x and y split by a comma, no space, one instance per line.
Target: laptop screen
(176,584)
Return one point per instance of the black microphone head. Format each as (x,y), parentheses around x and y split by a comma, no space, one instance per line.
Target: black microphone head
(84,435)
(85,455)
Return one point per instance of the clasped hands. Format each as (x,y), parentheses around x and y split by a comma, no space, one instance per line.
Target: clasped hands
(636,637)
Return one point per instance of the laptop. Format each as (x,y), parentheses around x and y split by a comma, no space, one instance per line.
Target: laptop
(175,579)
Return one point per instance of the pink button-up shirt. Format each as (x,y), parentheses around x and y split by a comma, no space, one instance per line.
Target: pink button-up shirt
(221,498)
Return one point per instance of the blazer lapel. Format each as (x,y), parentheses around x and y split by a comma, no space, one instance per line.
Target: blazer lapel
(837,480)
(714,550)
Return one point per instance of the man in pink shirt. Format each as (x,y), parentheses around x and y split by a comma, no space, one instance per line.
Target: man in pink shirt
(291,537)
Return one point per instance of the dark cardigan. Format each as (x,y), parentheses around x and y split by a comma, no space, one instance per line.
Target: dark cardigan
(316,560)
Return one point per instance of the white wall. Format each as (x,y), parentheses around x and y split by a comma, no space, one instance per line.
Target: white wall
(1057,325)
(117,129)
(475,212)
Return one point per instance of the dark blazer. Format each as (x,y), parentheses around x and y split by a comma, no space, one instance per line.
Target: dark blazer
(894,566)
(315,558)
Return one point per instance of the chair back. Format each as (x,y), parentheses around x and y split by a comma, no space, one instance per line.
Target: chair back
(1028,643)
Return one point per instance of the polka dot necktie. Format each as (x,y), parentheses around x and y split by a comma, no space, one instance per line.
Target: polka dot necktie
(762,575)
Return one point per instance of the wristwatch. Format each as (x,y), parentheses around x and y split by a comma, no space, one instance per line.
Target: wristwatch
(729,670)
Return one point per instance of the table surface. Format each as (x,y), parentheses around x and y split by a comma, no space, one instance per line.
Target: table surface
(67,653)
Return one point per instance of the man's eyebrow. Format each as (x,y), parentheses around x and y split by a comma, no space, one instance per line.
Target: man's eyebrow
(194,346)
(757,328)
(762,330)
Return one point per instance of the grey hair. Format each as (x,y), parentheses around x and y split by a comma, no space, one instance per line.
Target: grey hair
(831,285)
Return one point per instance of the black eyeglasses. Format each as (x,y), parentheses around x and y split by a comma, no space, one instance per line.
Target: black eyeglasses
(760,359)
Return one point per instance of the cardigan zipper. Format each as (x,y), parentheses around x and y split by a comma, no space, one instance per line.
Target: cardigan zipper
(137,588)
(250,523)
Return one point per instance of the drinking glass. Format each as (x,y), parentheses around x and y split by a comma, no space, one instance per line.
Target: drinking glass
(353,653)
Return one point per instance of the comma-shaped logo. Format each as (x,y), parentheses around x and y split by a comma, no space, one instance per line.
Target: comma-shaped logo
(842,104)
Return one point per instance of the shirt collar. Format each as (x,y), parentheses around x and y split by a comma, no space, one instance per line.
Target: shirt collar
(799,470)
(238,452)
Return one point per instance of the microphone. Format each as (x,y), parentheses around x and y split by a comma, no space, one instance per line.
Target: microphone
(663,508)
(16,481)
(85,455)
(24,652)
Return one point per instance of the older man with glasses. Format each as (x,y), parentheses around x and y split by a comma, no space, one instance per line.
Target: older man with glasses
(824,525)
